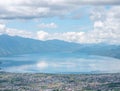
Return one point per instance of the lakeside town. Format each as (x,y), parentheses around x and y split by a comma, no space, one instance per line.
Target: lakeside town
(59,82)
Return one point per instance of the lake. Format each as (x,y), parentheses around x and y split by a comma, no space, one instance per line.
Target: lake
(59,63)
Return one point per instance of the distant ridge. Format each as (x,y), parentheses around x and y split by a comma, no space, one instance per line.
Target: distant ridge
(12,45)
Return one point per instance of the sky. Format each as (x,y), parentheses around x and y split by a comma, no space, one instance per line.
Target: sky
(79,21)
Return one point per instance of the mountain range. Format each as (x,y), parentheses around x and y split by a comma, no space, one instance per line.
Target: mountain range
(13,45)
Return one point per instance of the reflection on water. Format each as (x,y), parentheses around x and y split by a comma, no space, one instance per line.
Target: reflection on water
(53,63)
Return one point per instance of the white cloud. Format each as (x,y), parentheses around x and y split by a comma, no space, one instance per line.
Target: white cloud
(66,36)
(48,25)
(30,9)
(15,32)
(105,29)
(42,35)
(2,28)
(98,24)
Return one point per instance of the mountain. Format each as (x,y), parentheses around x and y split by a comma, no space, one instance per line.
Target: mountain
(101,50)
(12,45)
(18,45)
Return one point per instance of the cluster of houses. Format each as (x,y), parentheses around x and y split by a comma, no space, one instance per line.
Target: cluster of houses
(59,82)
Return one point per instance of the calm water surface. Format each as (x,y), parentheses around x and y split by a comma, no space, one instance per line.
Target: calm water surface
(59,62)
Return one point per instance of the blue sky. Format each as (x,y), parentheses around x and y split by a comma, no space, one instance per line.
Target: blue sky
(69,20)
(64,25)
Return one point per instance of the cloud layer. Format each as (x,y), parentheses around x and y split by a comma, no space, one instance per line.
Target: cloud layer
(31,9)
(47,25)
(15,32)
(106,22)
(105,29)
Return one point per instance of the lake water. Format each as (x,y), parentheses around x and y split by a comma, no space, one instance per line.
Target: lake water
(57,63)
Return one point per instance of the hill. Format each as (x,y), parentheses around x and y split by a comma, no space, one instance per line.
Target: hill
(12,45)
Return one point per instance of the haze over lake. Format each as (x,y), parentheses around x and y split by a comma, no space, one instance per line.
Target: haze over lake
(59,62)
